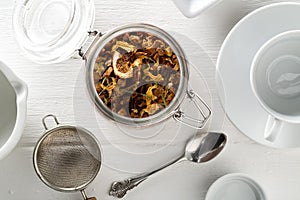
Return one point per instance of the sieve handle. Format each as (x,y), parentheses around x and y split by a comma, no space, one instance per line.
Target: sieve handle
(47,116)
(85,197)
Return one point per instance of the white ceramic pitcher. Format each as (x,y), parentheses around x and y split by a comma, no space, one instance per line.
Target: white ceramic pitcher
(13,106)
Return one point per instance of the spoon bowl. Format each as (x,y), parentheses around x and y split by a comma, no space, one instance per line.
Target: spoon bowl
(203,148)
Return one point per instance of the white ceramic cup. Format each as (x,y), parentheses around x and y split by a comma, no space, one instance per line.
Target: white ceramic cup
(275,81)
(13,104)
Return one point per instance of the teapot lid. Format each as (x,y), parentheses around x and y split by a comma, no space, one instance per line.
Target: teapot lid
(50,31)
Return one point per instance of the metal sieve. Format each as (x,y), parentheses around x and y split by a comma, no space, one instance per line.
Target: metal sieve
(67,158)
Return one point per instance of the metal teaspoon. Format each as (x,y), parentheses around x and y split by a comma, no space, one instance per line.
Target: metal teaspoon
(199,149)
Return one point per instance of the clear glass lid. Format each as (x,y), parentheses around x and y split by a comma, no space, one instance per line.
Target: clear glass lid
(50,31)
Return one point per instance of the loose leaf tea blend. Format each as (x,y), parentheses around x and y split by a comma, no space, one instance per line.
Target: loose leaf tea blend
(136,74)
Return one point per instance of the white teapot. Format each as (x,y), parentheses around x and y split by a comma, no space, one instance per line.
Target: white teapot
(192,8)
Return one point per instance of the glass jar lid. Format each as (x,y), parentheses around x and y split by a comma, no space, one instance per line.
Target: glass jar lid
(50,31)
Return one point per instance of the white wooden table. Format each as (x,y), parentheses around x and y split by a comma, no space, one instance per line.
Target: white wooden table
(54,89)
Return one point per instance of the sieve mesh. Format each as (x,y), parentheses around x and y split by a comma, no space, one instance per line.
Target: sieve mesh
(67,158)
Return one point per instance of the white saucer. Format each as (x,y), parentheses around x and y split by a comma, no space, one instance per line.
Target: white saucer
(233,71)
(235,187)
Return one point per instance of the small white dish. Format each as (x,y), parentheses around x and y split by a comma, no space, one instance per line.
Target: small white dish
(235,187)
(233,71)
(13,107)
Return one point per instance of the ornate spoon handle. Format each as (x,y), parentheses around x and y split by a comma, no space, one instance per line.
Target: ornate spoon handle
(120,188)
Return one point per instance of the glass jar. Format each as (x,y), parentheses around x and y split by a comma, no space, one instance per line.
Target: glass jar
(50,31)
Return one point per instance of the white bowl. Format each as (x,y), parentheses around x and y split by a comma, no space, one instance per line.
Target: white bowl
(13,107)
(235,187)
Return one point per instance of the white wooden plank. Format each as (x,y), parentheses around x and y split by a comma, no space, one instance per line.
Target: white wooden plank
(53,87)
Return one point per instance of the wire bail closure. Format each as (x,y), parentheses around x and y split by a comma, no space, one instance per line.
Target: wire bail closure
(82,52)
(205,112)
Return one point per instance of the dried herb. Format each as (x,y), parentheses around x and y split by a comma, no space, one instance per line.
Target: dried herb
(136,74)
